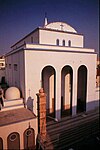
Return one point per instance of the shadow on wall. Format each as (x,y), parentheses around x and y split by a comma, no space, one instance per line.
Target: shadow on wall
(75,110)
(30,103)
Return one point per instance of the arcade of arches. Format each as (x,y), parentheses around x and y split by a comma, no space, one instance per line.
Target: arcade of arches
(13,140)
(49,85)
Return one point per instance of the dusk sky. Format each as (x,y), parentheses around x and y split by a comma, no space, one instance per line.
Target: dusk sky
(20,17)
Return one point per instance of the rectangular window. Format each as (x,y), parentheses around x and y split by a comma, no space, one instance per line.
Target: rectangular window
(15,67)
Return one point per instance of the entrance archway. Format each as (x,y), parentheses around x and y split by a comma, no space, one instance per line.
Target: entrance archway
(29,139)
(66,90)
(13,141)
(48,84)
(81,89)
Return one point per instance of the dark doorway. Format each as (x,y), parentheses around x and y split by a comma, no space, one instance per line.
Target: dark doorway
(48,84)
(66,91)
(81,89)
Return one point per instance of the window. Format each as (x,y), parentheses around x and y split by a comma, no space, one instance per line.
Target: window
(69,43)
(13,137)
(32,39)
(63,42)
(57,42)
(28,132)
(15,67)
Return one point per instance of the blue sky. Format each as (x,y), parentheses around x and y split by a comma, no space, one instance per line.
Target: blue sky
(20,17)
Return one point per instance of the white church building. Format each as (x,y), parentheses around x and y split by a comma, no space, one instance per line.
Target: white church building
(54,57)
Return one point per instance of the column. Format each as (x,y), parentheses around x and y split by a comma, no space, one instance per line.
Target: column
(58,95)
(74,94)
(42,113)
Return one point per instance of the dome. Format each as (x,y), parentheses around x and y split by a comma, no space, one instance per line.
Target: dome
(60,26)
(12,93)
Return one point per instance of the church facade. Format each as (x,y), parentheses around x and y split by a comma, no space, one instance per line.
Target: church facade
(54,57)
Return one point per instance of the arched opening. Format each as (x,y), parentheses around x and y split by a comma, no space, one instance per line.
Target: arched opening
(69,43)
(81,89)
(57,42)
(48,84)
(29,139)
(66,90)
(63,42)
(1,144)
(13,141)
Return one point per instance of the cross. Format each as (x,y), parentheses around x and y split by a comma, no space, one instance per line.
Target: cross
(62,26)
(29,125)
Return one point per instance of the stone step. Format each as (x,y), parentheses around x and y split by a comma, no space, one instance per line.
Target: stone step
(70,131)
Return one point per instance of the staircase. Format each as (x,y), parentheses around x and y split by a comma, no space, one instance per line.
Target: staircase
(72,130)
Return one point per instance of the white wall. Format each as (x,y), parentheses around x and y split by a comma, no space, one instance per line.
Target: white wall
(44,36)
(20,128)
(35,61)
(50,37)
(30,65)
(16,77)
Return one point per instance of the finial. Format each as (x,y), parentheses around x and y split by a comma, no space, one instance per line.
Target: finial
(29,125)
(45,20)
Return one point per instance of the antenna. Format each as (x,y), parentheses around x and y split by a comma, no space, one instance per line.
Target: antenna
(45,20)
